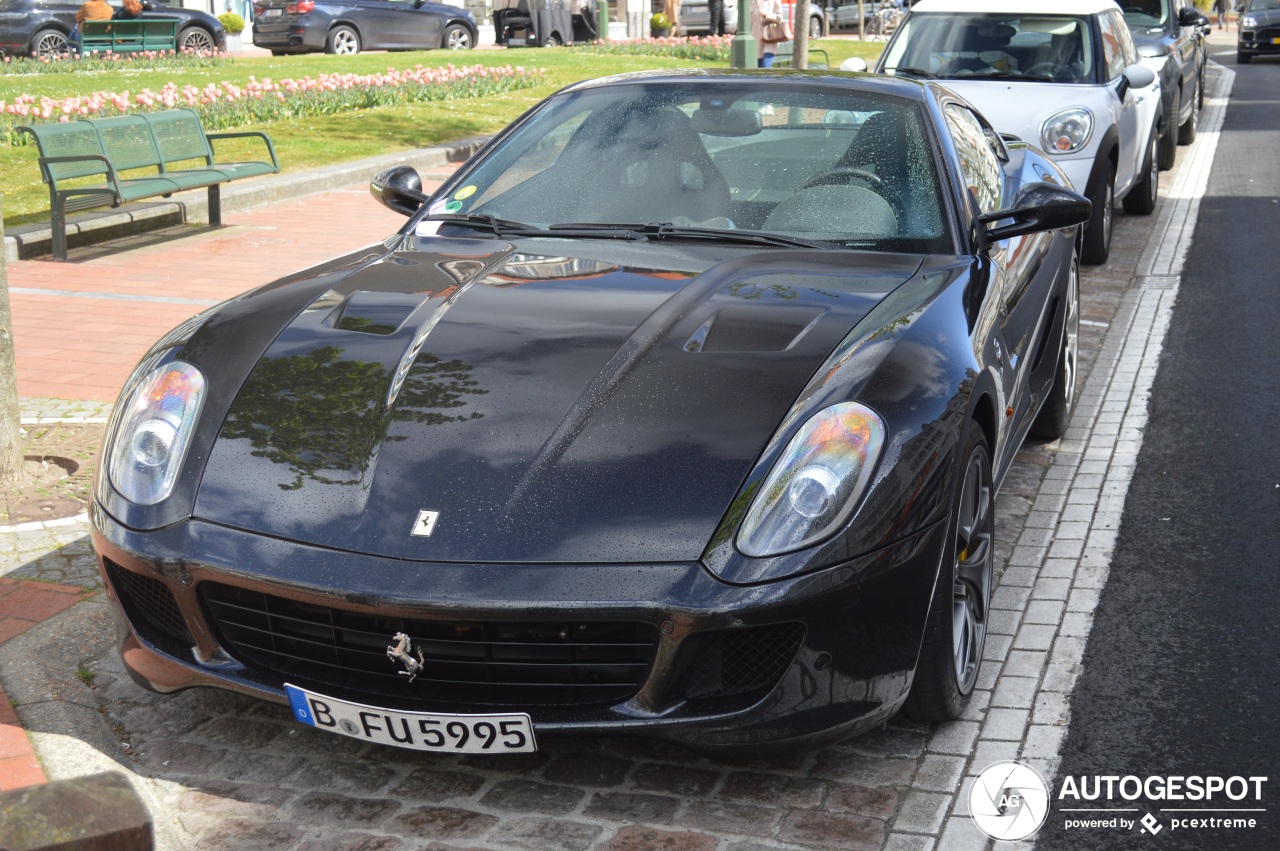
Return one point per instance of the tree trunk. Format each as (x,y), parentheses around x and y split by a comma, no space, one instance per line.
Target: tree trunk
(800,28)
(10,439)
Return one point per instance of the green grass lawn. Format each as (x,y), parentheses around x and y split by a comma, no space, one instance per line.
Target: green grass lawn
(322,140)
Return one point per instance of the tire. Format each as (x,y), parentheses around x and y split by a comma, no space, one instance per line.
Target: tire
(956,631)
(815,27)
(1243,58)
(342,40)
(1200,87)
(196,39)
(1097,234)
(1142,197)
(457,37)
(1187,132)
(553,40)
(49,42)
(1169,140)
(1055,414)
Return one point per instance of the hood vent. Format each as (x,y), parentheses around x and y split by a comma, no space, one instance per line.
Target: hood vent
(753,328)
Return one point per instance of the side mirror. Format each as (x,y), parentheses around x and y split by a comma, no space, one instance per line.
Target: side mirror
(853,63)
(400,189)
(1136,76)
(1038,207)
(1188,17)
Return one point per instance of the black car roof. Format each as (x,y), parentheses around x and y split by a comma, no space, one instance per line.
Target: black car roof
(899,86)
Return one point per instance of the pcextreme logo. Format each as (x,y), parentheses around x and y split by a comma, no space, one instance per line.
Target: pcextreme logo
(1011,801)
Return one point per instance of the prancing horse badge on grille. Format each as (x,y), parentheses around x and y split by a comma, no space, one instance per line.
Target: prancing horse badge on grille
(399,652)
(425,524)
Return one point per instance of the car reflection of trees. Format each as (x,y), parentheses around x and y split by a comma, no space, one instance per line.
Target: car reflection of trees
(315,412)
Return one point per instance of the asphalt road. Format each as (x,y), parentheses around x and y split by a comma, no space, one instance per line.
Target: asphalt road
(1182,670)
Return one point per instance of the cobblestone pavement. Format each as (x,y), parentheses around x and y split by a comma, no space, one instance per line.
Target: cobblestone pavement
(222,771)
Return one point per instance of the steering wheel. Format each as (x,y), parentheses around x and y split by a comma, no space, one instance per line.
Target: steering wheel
(832,176)
(1052,70)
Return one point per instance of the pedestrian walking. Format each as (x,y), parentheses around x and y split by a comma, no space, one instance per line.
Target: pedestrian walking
(1220,8)
(716,9)
(768,28)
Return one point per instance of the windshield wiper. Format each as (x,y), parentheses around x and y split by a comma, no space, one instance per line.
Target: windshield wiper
(663,230)
(499,227)
(912,72)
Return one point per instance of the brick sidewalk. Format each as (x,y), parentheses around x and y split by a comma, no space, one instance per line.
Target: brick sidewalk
(80,327)
(24,604)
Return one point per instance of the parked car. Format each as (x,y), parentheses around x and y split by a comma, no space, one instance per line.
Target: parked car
(350,26)
(1168,38)
(1258,33)
(695,18)
(42,27)
(678,411)
(1068,79)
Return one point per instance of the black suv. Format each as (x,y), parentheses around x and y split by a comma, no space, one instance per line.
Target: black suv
(1170,42)
(41,27)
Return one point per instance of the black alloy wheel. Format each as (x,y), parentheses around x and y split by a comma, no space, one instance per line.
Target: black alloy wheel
(1055,414)
(956,632)
(1187,132)
(1169,139)
(1097,234)
(1142,197)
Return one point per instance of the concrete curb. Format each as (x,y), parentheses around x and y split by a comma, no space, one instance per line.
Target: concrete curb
(26,242)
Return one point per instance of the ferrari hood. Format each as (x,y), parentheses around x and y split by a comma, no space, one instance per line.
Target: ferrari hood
(523,407)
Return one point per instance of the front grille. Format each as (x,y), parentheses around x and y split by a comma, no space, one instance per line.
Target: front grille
(148,603)
(737,661)
(510,664)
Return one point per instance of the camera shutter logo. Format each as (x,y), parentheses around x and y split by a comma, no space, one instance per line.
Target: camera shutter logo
(1009,801)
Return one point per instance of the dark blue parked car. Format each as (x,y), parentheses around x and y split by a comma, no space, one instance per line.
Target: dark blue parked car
(350,26)
(42,27)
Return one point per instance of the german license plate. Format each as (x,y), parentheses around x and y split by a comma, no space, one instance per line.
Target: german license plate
(424,731)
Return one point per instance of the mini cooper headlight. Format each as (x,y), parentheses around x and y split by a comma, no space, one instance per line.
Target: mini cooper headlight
(816,483)
(1068,131)
(154,433)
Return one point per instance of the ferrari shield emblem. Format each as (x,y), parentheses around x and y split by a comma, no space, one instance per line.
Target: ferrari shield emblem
(425,524)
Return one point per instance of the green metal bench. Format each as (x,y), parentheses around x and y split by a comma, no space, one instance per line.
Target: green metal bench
(784,52)
(162,152)
(129,36)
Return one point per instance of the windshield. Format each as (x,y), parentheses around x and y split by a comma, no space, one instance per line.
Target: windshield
(1144,14)
(826,165)
(1045,48)
(1263,5)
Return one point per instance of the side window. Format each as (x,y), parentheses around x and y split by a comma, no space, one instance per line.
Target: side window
(1115,37)
(978,162)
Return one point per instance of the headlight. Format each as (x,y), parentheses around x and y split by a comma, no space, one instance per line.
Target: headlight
(1249,21)
(816,483)
(154,433)
(1068,131)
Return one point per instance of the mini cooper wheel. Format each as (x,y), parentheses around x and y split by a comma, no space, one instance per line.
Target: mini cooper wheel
(197,40)
(956,631)
(1142,197)
(456,37)
(48,43)
(1097,234)
(343,40)
(1187,132)
(1051,423)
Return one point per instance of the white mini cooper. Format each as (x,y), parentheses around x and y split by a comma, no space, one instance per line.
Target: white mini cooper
(1065,77)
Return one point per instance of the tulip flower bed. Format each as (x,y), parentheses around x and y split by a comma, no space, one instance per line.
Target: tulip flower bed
(150,60)
(710,48)
(226,105)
